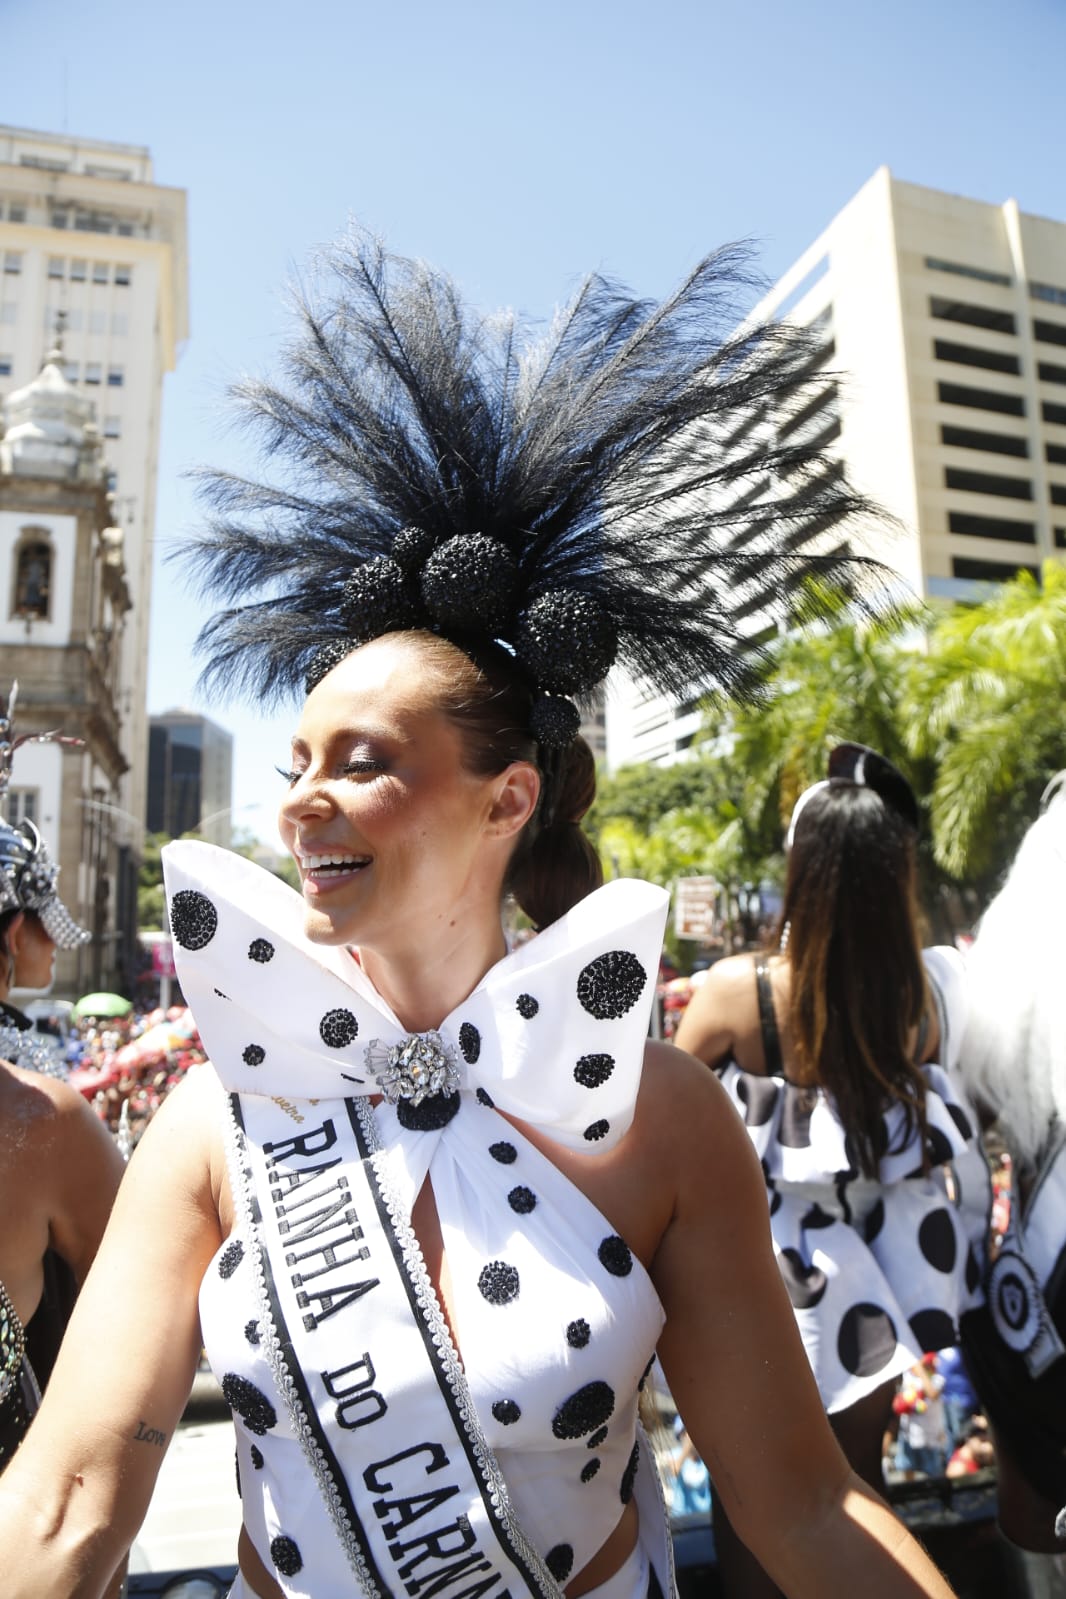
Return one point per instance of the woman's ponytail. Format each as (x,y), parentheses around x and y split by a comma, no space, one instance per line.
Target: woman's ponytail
(556,864)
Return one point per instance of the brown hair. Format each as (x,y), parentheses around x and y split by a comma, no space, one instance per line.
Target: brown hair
(858,988)
(554,864)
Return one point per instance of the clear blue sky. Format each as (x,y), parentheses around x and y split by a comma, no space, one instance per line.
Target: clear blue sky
(516,145)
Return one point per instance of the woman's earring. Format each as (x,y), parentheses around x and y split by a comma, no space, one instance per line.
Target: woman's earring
(785,932)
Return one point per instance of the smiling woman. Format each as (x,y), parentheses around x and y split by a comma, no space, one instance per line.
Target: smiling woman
(435,1205)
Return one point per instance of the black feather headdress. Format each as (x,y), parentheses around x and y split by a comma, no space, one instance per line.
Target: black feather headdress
(609,491)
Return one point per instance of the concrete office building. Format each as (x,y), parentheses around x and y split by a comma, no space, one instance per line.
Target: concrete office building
(86,231)
(942,329)
(190,777)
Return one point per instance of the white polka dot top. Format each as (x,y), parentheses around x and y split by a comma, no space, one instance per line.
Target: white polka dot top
(555,1318)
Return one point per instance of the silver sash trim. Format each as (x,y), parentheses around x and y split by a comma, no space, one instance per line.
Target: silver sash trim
(376,1397)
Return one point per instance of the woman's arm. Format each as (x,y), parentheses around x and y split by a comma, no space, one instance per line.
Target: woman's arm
(77,1490)
(86,1169)
(706,1029)
(737,1370)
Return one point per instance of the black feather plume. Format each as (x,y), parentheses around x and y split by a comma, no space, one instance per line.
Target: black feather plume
(609,458)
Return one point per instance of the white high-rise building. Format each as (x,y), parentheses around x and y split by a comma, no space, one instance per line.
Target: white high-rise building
(942,334)
(92,246)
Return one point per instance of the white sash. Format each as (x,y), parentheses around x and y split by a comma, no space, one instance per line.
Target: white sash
(363,1358)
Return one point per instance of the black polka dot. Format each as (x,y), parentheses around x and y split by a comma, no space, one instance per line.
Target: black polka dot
(589,1407)
(193,919)
(261,950)
(933,1330)
(615,1256)
(874,1221)
(254,1055)
(938,1147)
(973,1271)
(775,1201)
(506,1411)
(817,1218)
(611,984)
(506,1154)
(961,1120)
(597,1438)
(806,1284)
(431,1114)
(522,1200)
(286,1555)
(758,1095)
(645,1374)
(257,1457)
(560,1561)
(469,1042)
(596,1130)
(230,1258)
(578,1333)
(795,1129)
(338,1029)
(498,1282)
(527,1006)
(866,1341)
(629,1476)
(220,994)
(936,1240)
(592,1071)
(237,1471)
(253,1407)
(590,1468)
(251,1331)
(484,1098)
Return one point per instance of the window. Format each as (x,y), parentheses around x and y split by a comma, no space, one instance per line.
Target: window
(8,311)
(1050,413)
(1060,537)
(23,805)
(101,272)
(1009,488)
(123,275)
(115,377)
(975,316)
(988,571)
(97,321)
(112,427)
(6,366)
(78,271)
(1058,494)
(33,575)
(125,229)
(44,163)
(75,321)
(59,219)
(826,398)
(981,275)
(16,213)
(56,266)
(1049,332)
(1048,292)
(93,372)
(93,222)
(1056,454)
(973,355)
(980,399)
(120,324)
(991,527)
(978,439)
(72,371)
(1049,373)
(13,262)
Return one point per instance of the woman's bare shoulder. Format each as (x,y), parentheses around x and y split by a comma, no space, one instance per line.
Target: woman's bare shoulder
(684,1107)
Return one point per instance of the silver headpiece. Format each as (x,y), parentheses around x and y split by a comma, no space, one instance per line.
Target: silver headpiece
(28,873)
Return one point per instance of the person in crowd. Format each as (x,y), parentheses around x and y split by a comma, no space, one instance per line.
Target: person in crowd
(838,1048)
(922,1441)
(960,1400)
(974,1453)
(59,1170)
(1014,1060)
(434,1205)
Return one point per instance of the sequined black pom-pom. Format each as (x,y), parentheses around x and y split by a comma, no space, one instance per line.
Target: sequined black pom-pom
(379,599)
(566,641)
(412,548)
(325,658)
(554,721)
(469,582)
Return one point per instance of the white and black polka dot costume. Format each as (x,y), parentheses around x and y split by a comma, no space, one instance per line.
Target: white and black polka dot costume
(878,1271)
(556,1319)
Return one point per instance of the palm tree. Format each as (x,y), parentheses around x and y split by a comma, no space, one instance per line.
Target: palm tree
(986,707)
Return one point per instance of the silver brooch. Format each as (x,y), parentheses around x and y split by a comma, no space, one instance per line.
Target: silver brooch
(415,1069)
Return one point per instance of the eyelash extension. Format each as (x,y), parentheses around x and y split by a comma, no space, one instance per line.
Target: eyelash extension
(290,777)
(352,769)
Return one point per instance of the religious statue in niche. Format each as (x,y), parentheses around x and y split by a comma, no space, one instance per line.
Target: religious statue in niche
(33,580)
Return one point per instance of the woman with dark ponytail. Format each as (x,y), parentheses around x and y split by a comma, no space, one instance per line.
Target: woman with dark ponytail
(839,1049)
(434,1206)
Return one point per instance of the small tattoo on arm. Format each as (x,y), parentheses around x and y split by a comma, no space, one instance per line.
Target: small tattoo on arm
(149,1435)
